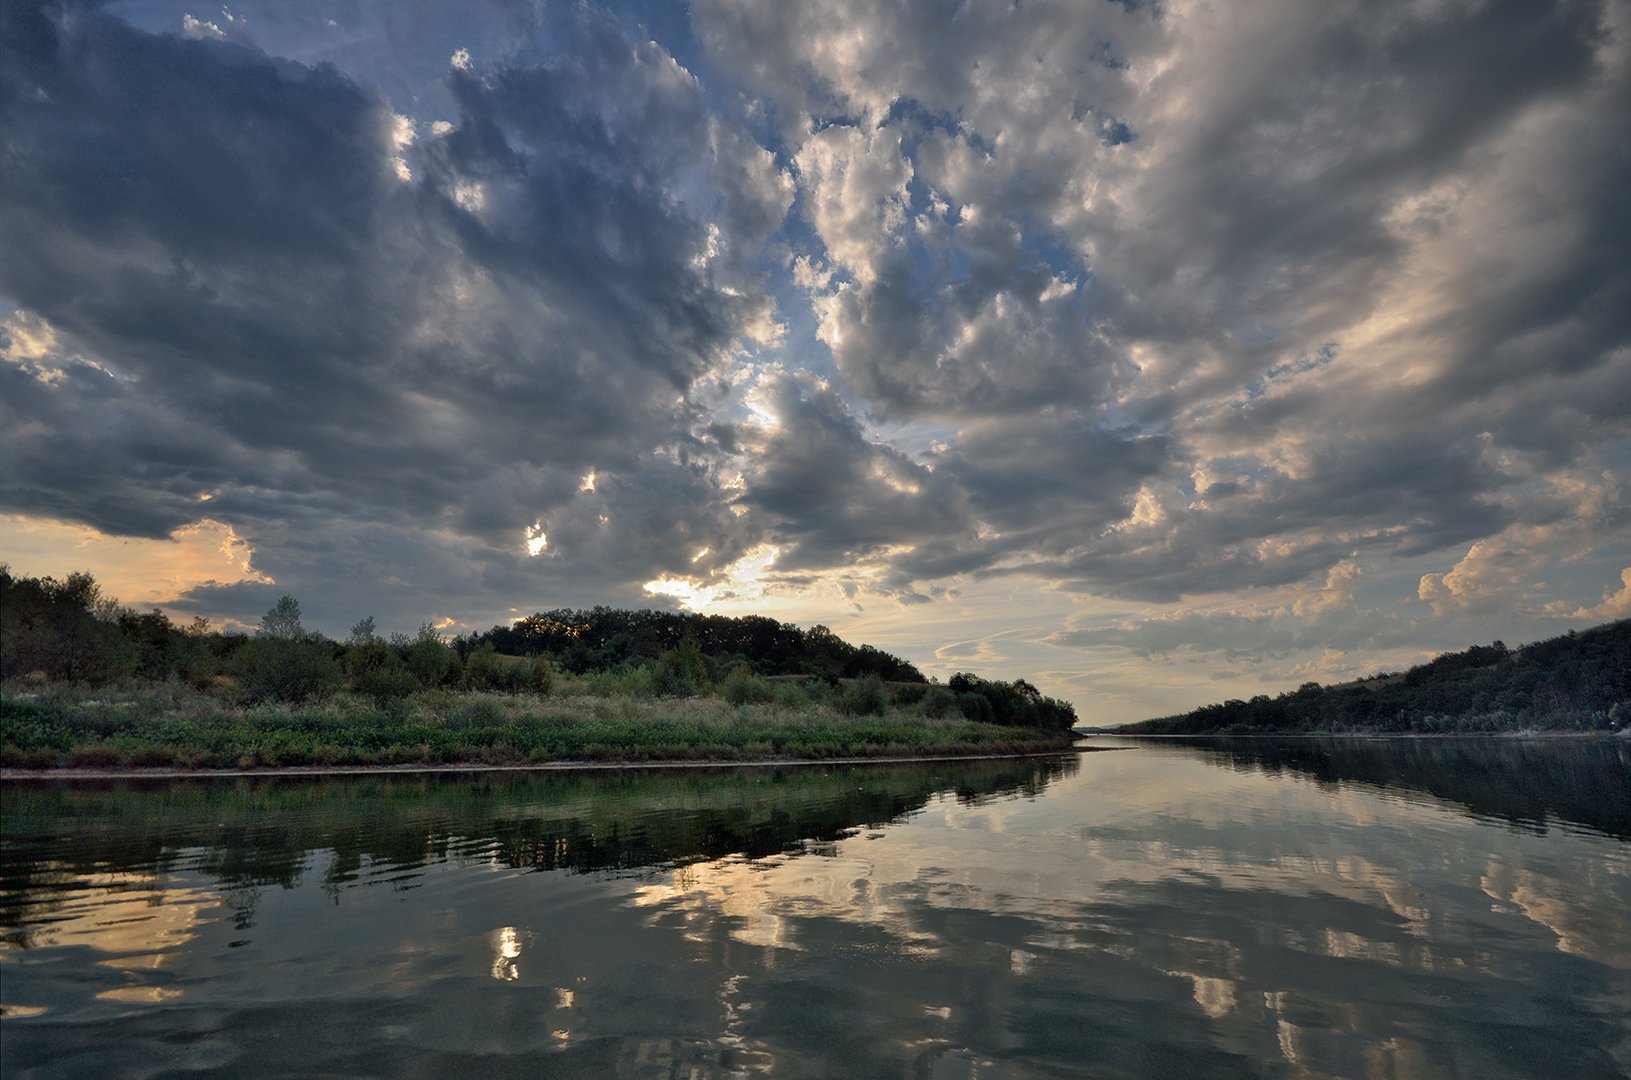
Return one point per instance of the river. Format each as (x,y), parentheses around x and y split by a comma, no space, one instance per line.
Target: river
(1307,908)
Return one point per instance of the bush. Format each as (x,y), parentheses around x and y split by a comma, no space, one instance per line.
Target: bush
(790,695)
(743,687)
(482,669)
(681,671)
(486,670)
(539,675)
(909,693)
(428,658)
(292,670)
(64,629)
(96,757)
(866,696)
(627,682)
(387,682)
(939,703)
(975,707)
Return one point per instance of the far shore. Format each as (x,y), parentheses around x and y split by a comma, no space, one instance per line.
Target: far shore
(1624,733)
(467,768)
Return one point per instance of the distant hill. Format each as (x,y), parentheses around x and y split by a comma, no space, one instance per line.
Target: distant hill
(1579,682)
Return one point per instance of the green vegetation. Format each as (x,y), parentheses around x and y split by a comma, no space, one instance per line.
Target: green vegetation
(89,683)
(1581,682)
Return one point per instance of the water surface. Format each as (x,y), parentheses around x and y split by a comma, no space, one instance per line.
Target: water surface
(1164,910)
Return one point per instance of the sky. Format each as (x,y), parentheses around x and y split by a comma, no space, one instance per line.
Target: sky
(1159,353)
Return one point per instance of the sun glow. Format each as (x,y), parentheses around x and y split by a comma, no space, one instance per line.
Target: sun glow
(136,570)
(742,583)
(537,542)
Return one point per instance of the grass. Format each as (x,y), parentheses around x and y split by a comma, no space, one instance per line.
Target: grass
(171,725)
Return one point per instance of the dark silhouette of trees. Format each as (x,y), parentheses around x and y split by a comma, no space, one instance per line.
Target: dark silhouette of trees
(606,639)
(1580,681)
(65,630)
(1018,704)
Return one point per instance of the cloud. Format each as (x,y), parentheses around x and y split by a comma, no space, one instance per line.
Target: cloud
(831,497)
(135,571)
(282,317)
(1616,603)
(1256,325)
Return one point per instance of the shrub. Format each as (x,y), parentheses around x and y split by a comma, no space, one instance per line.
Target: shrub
(18,758)
(939,703)
(387,683)
(292,670)
(476,713)
(975,707)
(866,696)
(486,670)
(743,687)
(430,660)
(539,675)
(628,682)
(680,671)
(909,693)
(790,695)
(156,757)
(482,669)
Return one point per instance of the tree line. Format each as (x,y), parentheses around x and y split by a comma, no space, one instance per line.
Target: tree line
(602,638)
(1580,681)
(67,631)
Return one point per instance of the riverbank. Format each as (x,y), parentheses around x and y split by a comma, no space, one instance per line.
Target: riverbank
(151,729)
(468,769)
(1623,733)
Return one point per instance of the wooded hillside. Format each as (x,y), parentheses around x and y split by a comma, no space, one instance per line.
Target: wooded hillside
(1579,682)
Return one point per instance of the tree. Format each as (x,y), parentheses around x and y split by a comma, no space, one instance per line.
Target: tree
(291,670)
(283,620)
(66,630)
(681,671)
(284,662)
(428,657)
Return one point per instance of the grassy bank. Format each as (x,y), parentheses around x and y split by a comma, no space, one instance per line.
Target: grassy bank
(173,725)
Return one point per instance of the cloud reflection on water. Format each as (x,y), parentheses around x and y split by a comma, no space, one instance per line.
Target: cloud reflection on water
(1145,912)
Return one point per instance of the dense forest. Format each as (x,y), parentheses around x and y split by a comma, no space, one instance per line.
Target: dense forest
(1579,682)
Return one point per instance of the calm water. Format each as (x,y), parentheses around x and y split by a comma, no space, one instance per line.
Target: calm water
(1317,908)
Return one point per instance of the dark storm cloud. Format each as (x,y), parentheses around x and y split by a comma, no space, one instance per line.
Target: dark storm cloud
(1053,480)
(1272,197)
(322,321)
(836,497)
(984,341)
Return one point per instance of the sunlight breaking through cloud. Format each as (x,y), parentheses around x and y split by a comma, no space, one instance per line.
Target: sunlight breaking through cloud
(735,587)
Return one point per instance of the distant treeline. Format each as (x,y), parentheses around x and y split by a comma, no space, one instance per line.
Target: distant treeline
(1578,682)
